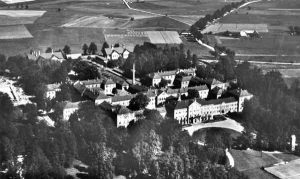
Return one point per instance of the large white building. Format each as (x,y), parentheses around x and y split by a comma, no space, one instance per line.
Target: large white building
(198,110)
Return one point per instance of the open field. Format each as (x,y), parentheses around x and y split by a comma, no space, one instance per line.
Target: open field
(16,17)
(14,32)
(157,23)
(15,1)
(270,44)
(250,162)
(177,7)
(95,22)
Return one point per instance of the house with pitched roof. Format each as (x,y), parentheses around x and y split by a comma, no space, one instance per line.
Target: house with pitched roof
(114,53)
(51,90)
(185,81)
(93,85)
(151,94)
(212,83)
(166,75)
(161,97)
(51,56)
(241,95)
(122,100)
(108,86)
(69,109)
(101,98)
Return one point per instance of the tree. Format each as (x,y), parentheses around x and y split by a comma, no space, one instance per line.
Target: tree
(92,48)
(67,49)
(2,61)
(193,93)
(6,106)
(65,93)
(140,101)
(48,50)
(104,46)
(85,49)
(163,83)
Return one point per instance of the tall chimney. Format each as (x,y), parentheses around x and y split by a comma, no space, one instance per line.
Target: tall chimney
(52,51)
(133,74)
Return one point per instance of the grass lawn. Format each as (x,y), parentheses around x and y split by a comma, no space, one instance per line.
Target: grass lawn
(251,161)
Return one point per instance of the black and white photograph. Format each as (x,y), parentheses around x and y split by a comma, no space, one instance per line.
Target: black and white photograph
(149,89)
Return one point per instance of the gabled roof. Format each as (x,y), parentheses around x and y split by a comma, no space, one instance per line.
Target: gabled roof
(119,50)
(71,105)
(118,98)
(102,96)
(109,82)
(91,82)
(172,91)
(59,55)
(185,78)
(240,93)
(182,104)
(216,101)
(199,88)
(150,93)
(163,73)
(52,87)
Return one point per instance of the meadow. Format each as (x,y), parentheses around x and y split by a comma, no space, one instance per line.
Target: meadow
(251,161)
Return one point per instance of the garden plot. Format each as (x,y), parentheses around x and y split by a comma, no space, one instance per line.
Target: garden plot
(14,32)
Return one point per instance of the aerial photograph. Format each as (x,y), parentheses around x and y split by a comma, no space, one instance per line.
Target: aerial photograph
(149,89)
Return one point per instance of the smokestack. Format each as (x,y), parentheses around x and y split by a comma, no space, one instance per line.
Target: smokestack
(39,52)
(52,51)
(133,74)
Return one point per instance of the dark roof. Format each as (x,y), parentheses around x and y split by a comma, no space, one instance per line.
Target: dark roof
(240,93)
(122,98)
(163,73)
(185,78)
(102,96)
(211,81)
(91,82)
(109,82)
(199,88)
(59,55)
(183,104)
(216,101)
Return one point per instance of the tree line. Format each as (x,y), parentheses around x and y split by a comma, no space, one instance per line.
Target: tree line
(202,22)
